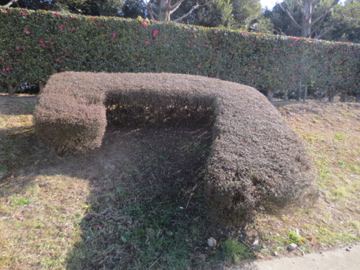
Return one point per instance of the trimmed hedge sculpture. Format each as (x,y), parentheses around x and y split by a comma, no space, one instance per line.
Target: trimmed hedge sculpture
(256,162)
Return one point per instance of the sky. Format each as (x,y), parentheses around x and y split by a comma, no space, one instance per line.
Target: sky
(268,3)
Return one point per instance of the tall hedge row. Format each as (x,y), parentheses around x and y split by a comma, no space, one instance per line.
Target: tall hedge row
(37,44)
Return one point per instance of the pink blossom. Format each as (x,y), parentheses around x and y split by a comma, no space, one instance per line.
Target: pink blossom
(273,50)
(17,48)
(155,33)
(206,46)
(23,14)
(199,66)
(97,227)
(331,48)
(113,35)
(232,52)
(192,32)
(297,65)
(293,79)
(147,42)
(92,19)
(43,45)
(296,38)
(52,43)
(56,13)
(57,60)
(73,29)
(188,42)
(215,32)
(144,24)
(326,68)
(40,41)
(98,24)
(61,27)
(5,11)
(185,27)
(7,69)
(26,31)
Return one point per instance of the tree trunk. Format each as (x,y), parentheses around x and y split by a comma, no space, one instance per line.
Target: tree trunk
(344,97)
(11,89)
(164,11)
(331,96)
(305,93)
(298,94)
(357,97)
(286,95)
(270,94)
(41,87)
(306,18)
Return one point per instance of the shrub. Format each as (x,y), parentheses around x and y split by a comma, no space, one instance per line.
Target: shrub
(256,163)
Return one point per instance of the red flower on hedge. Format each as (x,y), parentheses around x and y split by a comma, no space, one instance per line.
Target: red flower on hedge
(56,13)
(92,19)
(144,24)
(26,31)
(5,11)
(43,45)
(7,69)
(17,48)
(198,66)
(147,42)
(155,32)
(23,14)
(61,27)
(57,60)
(113,35)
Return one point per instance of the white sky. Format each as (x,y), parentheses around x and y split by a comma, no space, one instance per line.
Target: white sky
(268,3)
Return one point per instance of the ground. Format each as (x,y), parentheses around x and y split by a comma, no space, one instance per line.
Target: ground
(137,202)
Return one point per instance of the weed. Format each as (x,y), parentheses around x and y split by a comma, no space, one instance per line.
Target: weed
(234,252)
(294,237)
(339,136)
(19,201)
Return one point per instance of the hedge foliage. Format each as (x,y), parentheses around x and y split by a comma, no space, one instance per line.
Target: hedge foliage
(256,162)
(36,44)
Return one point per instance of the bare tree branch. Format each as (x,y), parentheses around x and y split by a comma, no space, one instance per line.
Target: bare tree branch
(327,30)
(187,14)
(326,11)
(174,7)
(10,3)
(286,10)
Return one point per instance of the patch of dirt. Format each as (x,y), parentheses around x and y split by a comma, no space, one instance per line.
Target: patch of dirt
(17,104)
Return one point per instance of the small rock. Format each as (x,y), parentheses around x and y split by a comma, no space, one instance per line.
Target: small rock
(275,253)
(292,246)
(256,242)
(348,248)
(211,242)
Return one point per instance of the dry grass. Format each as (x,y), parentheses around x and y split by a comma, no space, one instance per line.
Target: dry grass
(134,204)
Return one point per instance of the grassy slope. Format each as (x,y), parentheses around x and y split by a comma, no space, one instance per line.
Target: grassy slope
(134,203)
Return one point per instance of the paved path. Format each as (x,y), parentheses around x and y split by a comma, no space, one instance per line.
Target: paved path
(329,260)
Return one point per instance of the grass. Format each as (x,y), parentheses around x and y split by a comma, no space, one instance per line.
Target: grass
(137,202)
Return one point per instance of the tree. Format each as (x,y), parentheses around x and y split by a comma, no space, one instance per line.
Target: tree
(161,10)
(313,15)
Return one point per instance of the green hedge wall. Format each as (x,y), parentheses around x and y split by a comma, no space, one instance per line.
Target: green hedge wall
(37,44)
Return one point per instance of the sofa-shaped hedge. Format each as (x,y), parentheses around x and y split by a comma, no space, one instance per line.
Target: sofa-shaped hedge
(256,161)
